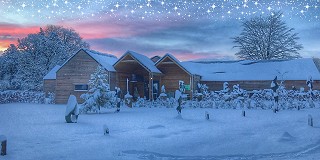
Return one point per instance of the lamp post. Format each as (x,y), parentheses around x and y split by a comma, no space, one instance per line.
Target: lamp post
(128,97)
(152,87)
(127,86)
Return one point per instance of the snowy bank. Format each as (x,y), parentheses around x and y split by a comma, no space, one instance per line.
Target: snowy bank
(39,132)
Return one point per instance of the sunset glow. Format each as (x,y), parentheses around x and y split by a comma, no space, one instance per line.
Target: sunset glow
(187,29)
(10,33)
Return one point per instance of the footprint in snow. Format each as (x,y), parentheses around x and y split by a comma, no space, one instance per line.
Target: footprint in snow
(156,127)
(161,136)
(286,137)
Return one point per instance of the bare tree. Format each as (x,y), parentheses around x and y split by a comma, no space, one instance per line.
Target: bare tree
(267,38)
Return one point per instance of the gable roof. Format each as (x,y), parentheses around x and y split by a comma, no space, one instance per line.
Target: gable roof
(52,73)
(176,61)
(105,60)
(155,59)
(297,69)
(143,60)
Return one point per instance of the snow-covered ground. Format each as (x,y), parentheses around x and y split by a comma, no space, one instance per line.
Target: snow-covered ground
(36,131)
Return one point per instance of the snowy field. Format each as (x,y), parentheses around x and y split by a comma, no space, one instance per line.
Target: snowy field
(36,131)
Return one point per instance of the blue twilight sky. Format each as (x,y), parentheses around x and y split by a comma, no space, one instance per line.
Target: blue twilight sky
(188,29)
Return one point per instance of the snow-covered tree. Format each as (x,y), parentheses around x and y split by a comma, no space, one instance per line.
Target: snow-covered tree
(10,66)
(275,89)
(36,54)
(238,95)
(309,83)
(225,88)
(310,93)
(30,74)
(202,92)
(99,94)
(52,45)
(266,38)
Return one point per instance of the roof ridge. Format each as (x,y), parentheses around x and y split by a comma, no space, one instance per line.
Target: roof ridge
(99,53)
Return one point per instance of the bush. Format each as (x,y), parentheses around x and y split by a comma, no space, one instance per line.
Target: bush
(14,96)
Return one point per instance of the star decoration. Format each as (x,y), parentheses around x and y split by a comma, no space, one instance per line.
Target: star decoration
(158,9)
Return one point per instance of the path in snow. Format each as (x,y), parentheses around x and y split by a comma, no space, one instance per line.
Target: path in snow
(310,152)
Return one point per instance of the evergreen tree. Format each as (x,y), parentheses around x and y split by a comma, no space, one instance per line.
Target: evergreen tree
(99,94)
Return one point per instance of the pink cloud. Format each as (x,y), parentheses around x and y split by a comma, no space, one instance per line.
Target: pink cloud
(110,28)
(9,33)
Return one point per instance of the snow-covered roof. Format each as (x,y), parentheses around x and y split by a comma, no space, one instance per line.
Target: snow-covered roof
(143,60)
(52,73)
(297,69)
(105,60)
(176,61)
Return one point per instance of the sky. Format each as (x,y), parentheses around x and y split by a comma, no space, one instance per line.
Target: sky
(188,29)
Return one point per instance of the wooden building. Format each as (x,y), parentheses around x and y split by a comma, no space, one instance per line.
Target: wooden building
(73,76)
(49,85)
(141,76)
(140,73)
(155,59)
(173,72)
(255,75)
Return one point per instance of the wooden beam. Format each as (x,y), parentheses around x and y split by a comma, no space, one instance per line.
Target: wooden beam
(168,62)
(129,61)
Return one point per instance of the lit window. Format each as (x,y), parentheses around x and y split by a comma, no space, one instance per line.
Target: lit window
(81,87)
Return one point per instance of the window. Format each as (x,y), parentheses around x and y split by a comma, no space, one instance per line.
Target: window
(81,87)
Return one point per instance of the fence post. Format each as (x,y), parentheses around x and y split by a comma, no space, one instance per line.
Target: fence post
(310,120)
(3,141)
(105,130)
(207,115)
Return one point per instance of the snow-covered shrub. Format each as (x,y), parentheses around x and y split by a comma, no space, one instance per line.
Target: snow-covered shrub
(4,85)
(201,104)
(161,102)
(141,102)
(99,94)
(220,99)
(50,99)
(202,92)
(158,103)
(260,97)
(238,96)
(225,87)
(14,96)
(163,99)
